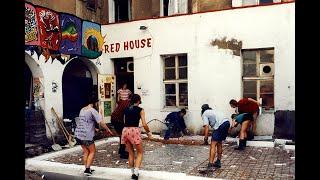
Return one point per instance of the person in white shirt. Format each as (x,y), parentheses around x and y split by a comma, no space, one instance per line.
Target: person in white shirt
(221,125)
(124,94)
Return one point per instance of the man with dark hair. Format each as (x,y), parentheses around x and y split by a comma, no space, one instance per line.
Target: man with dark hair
(175,124)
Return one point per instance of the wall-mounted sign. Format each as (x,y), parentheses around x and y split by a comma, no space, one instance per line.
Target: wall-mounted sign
(128,45)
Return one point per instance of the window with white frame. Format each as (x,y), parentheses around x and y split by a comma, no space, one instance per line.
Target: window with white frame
(119,10)
(258,76)
(176,80)
(256,2)
(171,7)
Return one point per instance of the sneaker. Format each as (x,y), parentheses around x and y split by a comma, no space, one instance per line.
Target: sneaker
(88,172)
(210,166)
(134,177)
(217,164)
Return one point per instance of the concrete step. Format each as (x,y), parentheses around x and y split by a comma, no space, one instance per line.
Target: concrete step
(54,170)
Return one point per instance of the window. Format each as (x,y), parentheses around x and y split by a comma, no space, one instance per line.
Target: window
(171,7)
(258,76)
(256,2)
(92,4)
(176,80)
(249,2)
(122,10)
(265,1)
(165,7)
(119,10)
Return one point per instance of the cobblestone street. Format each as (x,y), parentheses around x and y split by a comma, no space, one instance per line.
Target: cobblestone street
(253,163)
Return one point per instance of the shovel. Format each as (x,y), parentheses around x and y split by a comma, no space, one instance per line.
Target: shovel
(55,146)
(71,140)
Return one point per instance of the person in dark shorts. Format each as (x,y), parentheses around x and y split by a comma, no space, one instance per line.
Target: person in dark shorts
(85,131)
(118,123)
(220,124)
(131,134)
(247,105)
(244,119)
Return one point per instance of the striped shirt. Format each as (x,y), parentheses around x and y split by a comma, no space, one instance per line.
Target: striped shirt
(124,94)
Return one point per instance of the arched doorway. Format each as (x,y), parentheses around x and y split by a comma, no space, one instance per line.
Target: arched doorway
(27,86)
(35,128)
(79,81)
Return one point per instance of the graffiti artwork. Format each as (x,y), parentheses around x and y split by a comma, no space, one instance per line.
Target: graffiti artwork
(70,34)
(92,40)
(31,26)
(49,28)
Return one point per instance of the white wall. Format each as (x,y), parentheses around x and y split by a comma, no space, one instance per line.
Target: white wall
(214,75)
(53,72)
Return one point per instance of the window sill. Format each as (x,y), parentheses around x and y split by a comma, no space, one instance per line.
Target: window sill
(172,109)
(269,111)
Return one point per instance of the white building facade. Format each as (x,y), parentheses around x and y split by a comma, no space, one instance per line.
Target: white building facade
(188,60)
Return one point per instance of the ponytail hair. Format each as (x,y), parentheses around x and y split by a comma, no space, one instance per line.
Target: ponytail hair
(134,99)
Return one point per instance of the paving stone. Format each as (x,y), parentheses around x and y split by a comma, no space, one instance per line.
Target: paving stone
(188,158)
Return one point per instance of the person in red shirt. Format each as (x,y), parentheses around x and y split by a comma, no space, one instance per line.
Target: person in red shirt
(250,106)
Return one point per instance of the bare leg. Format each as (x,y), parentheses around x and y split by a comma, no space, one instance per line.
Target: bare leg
(85,155)
(131,154)
(254,123)
(244,127)
(92,152)
(219,150)
(212,151)
(139,156)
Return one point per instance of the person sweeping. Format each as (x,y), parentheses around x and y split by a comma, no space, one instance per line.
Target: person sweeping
(220,124)
(85,131)
(131,134)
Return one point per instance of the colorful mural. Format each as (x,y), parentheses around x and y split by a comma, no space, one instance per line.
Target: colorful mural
(71,35)
(59,35)
(31,26)
(92,40)
(49,28)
